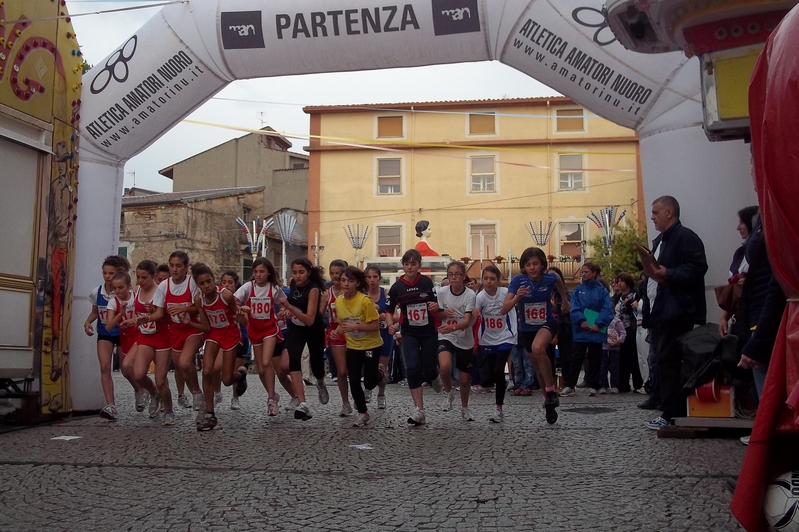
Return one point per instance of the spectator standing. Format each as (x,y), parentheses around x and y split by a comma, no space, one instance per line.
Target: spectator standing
(675,299)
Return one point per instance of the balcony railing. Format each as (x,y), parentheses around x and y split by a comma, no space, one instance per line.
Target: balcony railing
(570,269)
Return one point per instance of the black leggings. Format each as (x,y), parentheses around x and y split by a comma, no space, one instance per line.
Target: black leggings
(366,362)
(297,338)
(496,361)
(628,364)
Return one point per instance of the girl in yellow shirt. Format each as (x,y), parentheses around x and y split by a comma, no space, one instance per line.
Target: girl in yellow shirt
(359,323)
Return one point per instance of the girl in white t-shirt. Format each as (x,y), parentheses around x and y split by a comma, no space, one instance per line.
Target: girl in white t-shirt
(497,332)
(455,338)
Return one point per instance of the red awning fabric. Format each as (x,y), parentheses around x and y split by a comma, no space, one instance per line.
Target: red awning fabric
(774,113)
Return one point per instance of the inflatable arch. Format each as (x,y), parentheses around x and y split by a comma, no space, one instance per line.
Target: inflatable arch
(189,51)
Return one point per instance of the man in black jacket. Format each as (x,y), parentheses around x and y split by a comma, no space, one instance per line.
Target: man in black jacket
(674,301)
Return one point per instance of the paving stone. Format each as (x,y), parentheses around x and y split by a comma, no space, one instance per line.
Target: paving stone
(588,472)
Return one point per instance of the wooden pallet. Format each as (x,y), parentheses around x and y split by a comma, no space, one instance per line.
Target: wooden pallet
(694,427)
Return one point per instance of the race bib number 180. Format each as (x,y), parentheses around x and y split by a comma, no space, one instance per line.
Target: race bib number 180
(261,308)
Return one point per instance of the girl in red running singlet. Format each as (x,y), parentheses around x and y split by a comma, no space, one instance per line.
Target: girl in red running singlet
(120,309)
(152,345)
(219,311)
(338,345)
(174,297)
(258,299)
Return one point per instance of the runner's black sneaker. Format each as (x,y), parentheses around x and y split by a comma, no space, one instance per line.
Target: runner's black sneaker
(550,403)
(241,385)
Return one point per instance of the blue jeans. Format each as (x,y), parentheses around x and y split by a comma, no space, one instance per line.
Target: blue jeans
(610,362)
(523,371)
(420,354)
(482,372)
(759,373)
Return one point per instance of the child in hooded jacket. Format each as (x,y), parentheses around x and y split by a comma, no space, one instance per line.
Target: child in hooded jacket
(611,355)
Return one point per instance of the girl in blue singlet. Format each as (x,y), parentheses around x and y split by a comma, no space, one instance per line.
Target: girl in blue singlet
(106,339)
(378,294)
(531,293)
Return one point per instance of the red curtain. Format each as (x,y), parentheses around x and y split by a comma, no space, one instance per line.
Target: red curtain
(774,113)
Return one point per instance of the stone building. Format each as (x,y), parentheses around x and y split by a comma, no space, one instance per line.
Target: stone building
(256,159)
(203,224)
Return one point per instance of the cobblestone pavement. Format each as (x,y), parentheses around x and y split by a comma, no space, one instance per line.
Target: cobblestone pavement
(596,469)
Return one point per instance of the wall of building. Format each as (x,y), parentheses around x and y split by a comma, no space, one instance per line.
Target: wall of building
(206,230)
(288,190)
(436,179)
(245,162)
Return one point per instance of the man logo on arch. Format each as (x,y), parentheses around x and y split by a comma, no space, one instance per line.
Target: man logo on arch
(455,16)
(241,30)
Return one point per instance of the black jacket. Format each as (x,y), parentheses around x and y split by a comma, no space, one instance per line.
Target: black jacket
(756,282)
(761,343)
(681,297)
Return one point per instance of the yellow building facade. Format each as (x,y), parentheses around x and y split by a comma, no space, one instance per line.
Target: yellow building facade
(478,171)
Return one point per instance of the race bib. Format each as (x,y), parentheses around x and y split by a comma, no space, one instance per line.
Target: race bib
(176,317)
(355,335)
(217,318)
(417,314)
(101,314)
(261,308)
(146,328)
(535,313)
(495,323)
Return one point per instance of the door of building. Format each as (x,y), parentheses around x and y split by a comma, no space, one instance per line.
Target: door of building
(22,181)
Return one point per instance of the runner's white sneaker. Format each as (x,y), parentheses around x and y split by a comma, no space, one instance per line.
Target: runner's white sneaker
(437,385)
(293,404)
(324,396)
(302,412)
(184,401)
(273,405)
(362,420)
(217,398)
(466,414)
(141,400)
(197,401)
(449,398)
(367,395)
(169,419)
(381,402)
(234,403)
(417,418)
(498,417)
(109,412)
(155,406)
(346,410)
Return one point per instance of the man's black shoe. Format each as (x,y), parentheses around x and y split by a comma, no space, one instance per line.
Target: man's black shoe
(648,405)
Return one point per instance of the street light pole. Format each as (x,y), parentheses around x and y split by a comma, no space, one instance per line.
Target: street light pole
(357,239)
(286,221)
(316,248)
